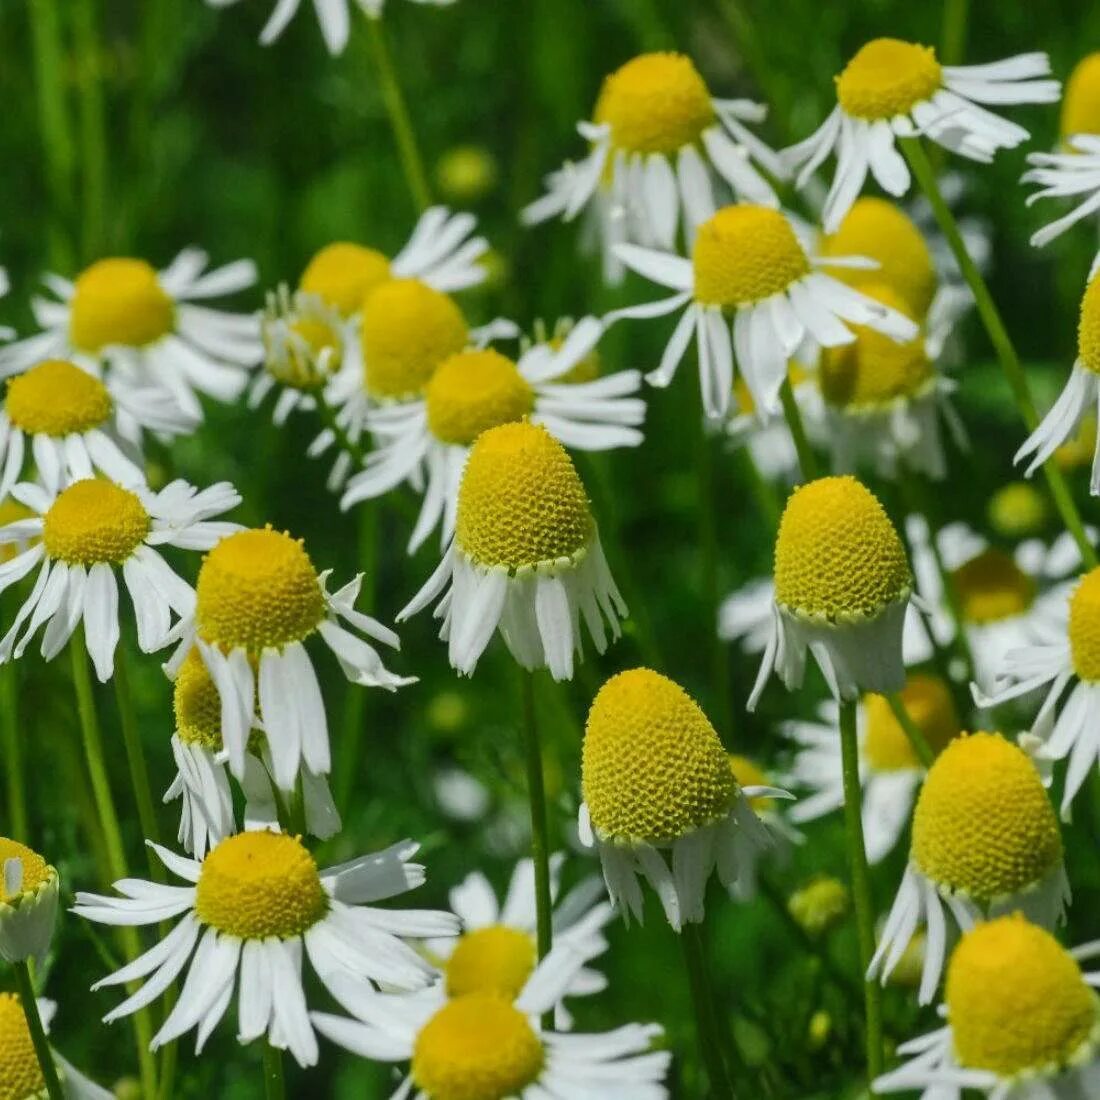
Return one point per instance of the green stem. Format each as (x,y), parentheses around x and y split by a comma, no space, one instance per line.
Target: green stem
(807,460)
(861,882)
(25,986)
(93,128)
(13,751)
(917,739)
(408,151)
(274,1086)
(953,31)
(998,335)
(706,1022)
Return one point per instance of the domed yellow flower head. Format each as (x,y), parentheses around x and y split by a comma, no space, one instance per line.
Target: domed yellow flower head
(1088,328)
(94,521)
(1017,1002)
(28,903)
(473,391)
(983,825)
(20,1074)
(837,555)
(928,701)
(652,767)
(119,302)
(992,587)
(1018,509)
(36,871)
(197,704)
(57,398)
(888,77)
(494,959)
(303,341)
(1081,100)
(655,103)
(1084,627)
(342,274)
(820,905)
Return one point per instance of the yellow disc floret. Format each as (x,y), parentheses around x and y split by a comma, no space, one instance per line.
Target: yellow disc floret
(20,1074)
(1081,101)
(652,767)
(837,555)
(119,302)
(408,330)
(992,587)
(473,391)
(521,503)
(257,590)
(94,521)
(342,274)
(36,871)
(1088,327)
(57,398)
(477,1047)
(928,702)
(983,825)
(1017,1001)
(1017,509)
(744,254)
(656,103)
(888,77)
(1084,627)
(493,959)
(197,704)
(260,884)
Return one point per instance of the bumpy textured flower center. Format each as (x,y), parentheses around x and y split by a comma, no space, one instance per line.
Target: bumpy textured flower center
(260,884)
(408,330)
(1088,327)
(656,103)
(983,824)
(35,869)
(342,274)
(20,1074)
(1084,627)
(197,704)
(477,1047)
(652,767)
(927,699)
(991,587)
(888,77)
(494,959)
(521,502)
(745,253)
(882,231)
(875,370)
(1081,102)
(1018,509)
(474,391)
(57,398)
(1016,1000)
(119,302)
(94,521)
(837,554)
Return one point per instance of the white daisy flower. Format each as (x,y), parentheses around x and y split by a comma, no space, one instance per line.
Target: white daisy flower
(1022,1022)
(985,842)
(85,532)
(145,325)
(751,294)
(658,146)
(28,902)
(525,558)
(426,440)
(258,599)
(1073,172)
(892,89)
(250,908)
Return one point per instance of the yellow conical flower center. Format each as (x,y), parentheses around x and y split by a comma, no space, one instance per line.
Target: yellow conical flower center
(1017,1001)
(1017,509)
(837,554)
(991,587)
(57,398)
(655,103)
(652,767)
(197,704)
(20,1074)
(927,699)
(474,391)
(477,1047)
(408,330)
(888,77)
(819,905)
(882,231)
(494,959)
(35,869)
(521,502)
(119,302)
(305,353)
(260,884)
(342,274)
(875,370)
(11,511)
(1088,328)
(745,253)
(94,521)
(258,590)
(1081,101)
(1084,627)
(748,773)
(983,824)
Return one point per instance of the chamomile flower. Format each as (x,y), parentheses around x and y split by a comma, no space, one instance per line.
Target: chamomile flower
(842,587)
(985,842)
(890,772)
(525,558)
(28,902)
(892,89)
(250,908)
(485,1046)
(85,532)
(426,440)
(751,294)
(257,601)
(658,144)
(1023,1022)
(660,799)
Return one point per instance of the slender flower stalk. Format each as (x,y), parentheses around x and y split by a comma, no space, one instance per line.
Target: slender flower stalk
(13,752)
(706,1021)
(93,129)
(953,31)
(25,986)
(807,460)
(274,1086)
(917,739)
